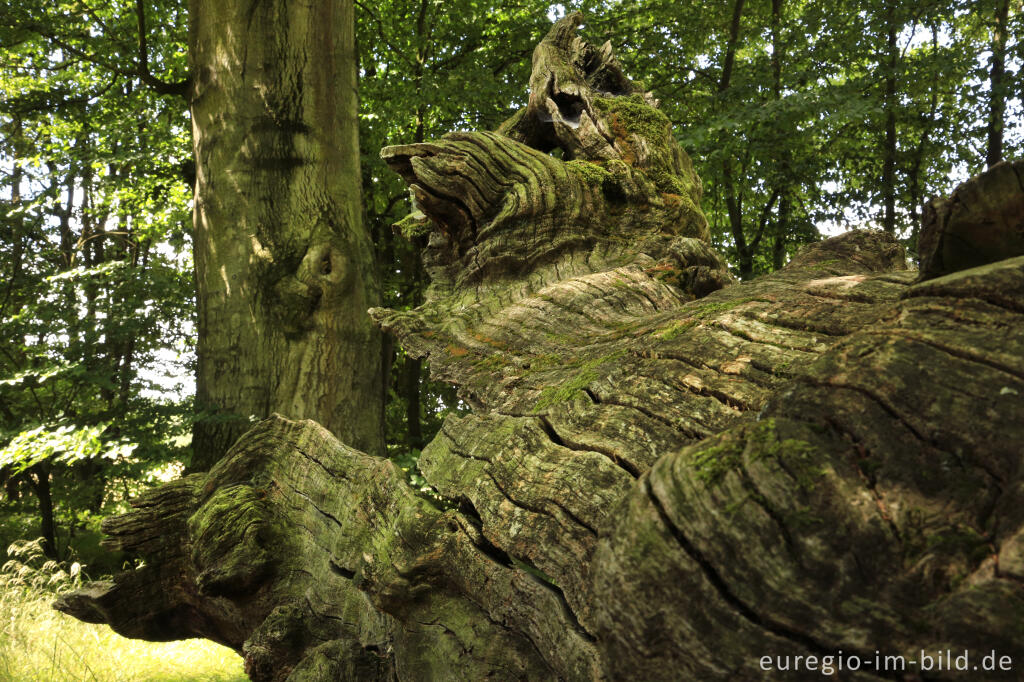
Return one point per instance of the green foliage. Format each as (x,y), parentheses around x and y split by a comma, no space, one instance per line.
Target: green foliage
(96,287)
(65,444)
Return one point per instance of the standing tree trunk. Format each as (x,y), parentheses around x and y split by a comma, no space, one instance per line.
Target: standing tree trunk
(996,86)
(889,107)
(914,180)
(284,270)
(781,235)
(411,395)
(784,176)
(12,227)
(734,199)
(663,477)
(40,474)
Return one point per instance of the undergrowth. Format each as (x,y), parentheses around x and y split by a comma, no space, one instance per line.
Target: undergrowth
(38,643)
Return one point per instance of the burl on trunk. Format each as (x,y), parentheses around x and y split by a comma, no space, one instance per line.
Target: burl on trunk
(666,475)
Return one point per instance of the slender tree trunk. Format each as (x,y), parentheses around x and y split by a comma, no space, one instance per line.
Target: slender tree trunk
(889,106)
(730,51)
(414,433)
(84,245)
(781,230)
(776,49)
(47,525)
(284,269)
(997,87)
(734,204)
(67,240)
(412,368)
(783,175)
(914,173)
(14,224)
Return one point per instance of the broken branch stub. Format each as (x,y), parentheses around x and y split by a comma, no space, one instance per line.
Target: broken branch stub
(981,222)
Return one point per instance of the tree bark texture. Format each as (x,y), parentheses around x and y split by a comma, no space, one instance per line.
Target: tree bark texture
(284,269)
(666,476)
(982,221)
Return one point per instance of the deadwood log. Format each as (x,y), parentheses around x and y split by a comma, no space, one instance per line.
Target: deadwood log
(665,475)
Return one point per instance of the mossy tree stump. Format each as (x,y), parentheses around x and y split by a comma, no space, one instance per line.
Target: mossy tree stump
(664,476)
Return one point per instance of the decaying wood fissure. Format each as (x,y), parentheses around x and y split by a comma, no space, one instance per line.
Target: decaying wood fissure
(666,475)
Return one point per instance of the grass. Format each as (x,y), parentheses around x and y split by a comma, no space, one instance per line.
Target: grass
(38,643)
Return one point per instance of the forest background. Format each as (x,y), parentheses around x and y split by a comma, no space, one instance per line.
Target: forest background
(803,117)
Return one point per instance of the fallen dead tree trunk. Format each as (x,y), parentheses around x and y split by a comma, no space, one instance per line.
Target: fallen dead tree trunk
(665,475)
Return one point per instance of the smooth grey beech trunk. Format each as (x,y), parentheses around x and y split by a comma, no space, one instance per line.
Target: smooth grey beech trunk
(284,268)
(665,476)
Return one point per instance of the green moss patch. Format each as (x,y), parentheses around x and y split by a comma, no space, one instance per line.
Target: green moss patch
(712,463)
(233,540)
(414,225)
(675,329)
(759,441)
(591,173)
(696,315)
(586,374)
(637,117)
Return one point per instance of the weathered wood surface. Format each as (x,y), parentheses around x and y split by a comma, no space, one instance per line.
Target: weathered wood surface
(981,222)
(664,476)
